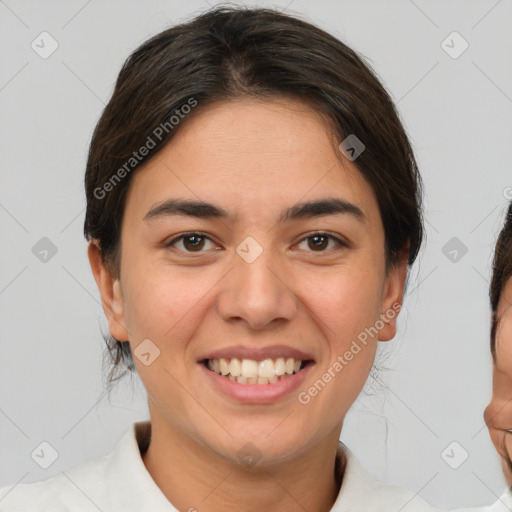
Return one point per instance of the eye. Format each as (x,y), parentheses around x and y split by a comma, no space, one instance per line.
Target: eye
(194,242)
(191,242)
(319,241)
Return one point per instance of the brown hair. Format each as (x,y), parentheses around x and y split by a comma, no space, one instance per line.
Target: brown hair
(501,273)
(234,52)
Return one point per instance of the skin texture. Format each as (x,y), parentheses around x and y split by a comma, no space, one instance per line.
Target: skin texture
(498,414)
(254,159)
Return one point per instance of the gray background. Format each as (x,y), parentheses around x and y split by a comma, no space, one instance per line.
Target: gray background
(458,112)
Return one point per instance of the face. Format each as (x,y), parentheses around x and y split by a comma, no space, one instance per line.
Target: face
(272,284)
(498,414)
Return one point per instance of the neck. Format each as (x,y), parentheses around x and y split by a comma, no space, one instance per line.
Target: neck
(195,478)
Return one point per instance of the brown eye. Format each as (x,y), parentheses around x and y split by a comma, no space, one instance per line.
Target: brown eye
(319,242)
(190,242)
(193,242)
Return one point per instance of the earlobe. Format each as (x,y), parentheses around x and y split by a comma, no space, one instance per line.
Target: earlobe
(393,297)
(110,292)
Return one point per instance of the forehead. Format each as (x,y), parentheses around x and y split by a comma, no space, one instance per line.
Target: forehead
(505,303)
(504,328)
(252,154)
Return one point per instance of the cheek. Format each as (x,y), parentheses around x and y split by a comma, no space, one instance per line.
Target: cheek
(166,308)
(159,304)
(347,300)
(347,304)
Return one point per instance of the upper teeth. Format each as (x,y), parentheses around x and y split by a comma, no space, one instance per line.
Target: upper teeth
(249,368)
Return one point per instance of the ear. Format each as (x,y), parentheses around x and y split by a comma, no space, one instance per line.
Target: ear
(109,287)
(393,294)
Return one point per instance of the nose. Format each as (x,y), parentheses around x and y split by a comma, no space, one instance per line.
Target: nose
(257,293)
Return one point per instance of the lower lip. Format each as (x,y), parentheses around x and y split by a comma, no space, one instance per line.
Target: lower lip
(257,393)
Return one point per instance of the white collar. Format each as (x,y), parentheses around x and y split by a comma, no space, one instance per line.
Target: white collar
(359,491)
(120,482)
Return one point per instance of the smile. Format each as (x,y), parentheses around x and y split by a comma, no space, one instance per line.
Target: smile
(250,371)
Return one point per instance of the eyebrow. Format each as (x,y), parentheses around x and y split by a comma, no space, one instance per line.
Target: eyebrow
(204,210)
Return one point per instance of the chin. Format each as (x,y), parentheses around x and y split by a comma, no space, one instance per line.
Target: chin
(267,445)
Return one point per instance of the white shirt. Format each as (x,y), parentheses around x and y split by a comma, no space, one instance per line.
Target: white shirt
(120,482)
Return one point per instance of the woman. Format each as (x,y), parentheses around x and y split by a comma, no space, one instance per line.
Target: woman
(498,414)
(253,207)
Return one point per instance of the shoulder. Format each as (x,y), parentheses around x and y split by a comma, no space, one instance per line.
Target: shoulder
(359,491)
(117,482)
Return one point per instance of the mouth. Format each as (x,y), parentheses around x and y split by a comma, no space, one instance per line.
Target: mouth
(260,372)
(256,375)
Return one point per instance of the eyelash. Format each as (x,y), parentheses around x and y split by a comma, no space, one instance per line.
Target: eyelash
(176,239)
